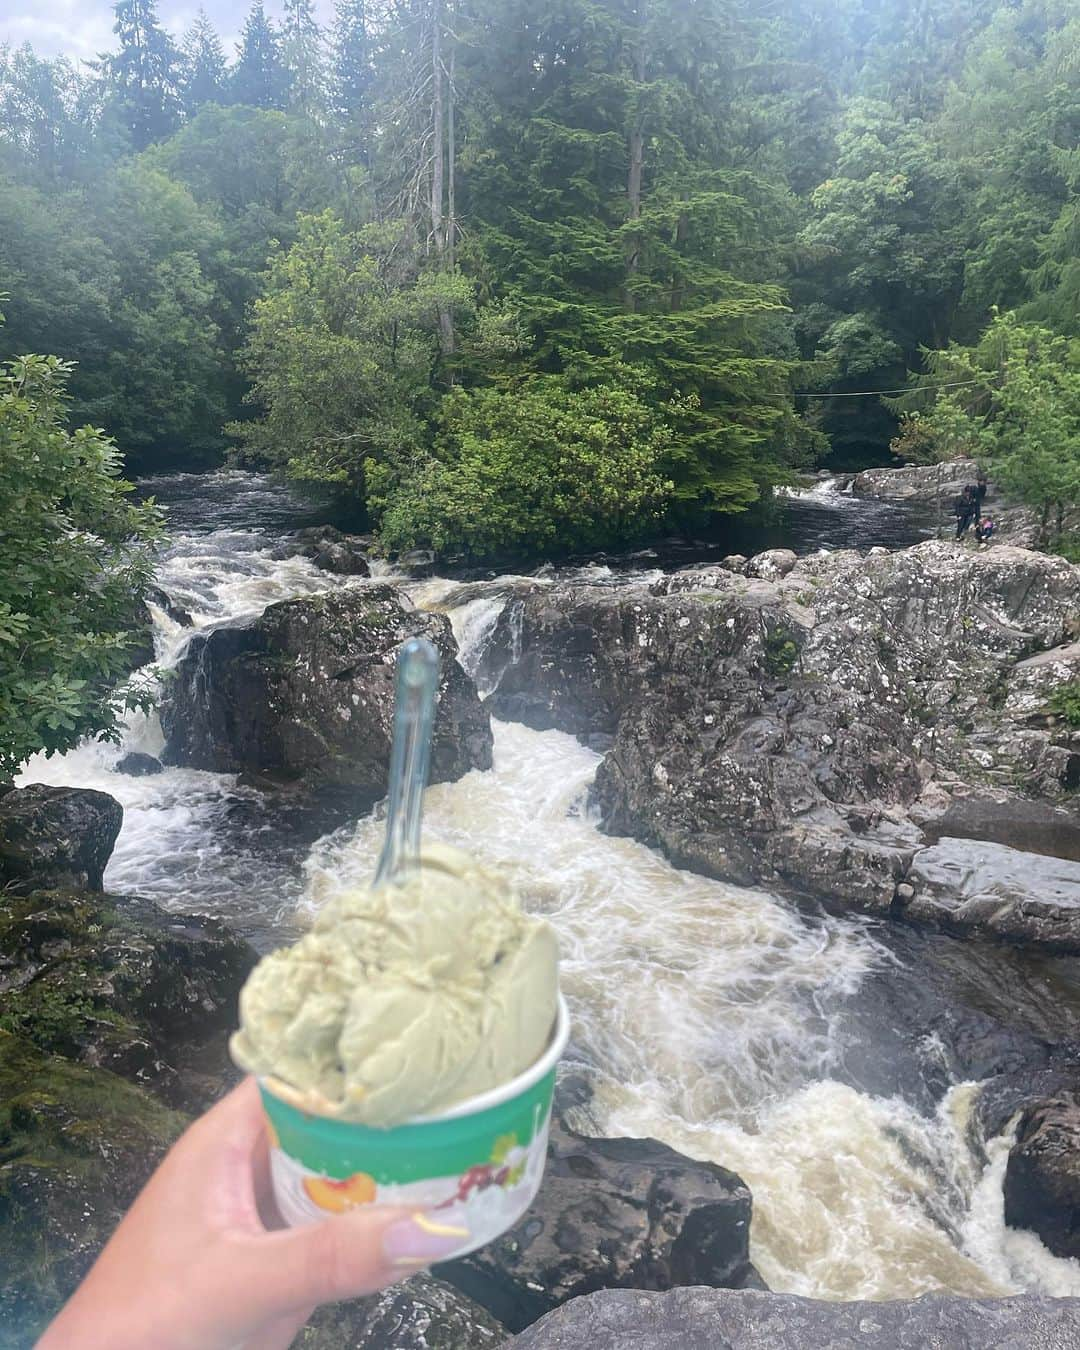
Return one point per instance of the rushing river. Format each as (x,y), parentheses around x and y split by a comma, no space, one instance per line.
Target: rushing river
(711,1017)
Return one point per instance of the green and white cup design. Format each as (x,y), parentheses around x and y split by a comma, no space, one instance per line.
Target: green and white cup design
(479,1163)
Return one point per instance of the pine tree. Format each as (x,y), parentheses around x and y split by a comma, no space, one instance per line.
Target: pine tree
(143,75)
(204,66)
(257,77)
(302,56)
(352,76)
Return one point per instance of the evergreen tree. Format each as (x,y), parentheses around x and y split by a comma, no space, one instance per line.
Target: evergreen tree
(143,75)
(351,76)
(258,77)
(204,66)
(302,56)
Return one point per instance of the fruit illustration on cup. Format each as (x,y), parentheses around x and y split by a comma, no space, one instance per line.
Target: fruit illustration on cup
(338,1196)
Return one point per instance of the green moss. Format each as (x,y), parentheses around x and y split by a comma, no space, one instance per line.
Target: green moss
(781,651)
(76,1144)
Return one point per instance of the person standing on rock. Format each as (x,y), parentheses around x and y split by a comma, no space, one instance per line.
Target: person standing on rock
(979,491)
(964,511)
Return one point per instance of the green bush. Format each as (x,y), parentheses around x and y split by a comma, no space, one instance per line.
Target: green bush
(539,468)
(75,558)
(1066,702)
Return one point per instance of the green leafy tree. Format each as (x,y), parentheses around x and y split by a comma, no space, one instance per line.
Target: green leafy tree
(1017,409)
(258,77)
(75,558)
(542,466)
(343,352)
(204,76)
(143,75)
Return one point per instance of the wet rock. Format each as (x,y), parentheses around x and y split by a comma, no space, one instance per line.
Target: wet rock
(612,1213)
(1042,1179)
(304,694)
(970,886)
(723,1319)
(735,562)
(137,765)
(330,550)
(117,983)
(56,836)
(168,606)
(76,1145)
(422,1313)
(771,565)
(808,731)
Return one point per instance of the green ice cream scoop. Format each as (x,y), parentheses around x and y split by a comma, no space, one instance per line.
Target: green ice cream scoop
(411,995)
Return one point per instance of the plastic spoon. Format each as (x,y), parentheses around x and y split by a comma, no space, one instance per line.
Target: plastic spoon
(414,717)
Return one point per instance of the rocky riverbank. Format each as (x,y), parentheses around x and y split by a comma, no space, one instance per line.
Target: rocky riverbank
(884,734)
(844,729)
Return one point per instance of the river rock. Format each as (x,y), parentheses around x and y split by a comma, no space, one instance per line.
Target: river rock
(115,982)
(137,765)
(771,565)
(421,1313)
(612,1213)
(808,731)
(1042,1178)
(918,482)
(171,608)
(330,550)
(304,694)
(56,836)
(724,1319)
(76,1145)
(970,886)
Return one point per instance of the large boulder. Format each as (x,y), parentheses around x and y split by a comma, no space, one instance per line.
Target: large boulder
(925,483)
(303,694)
(612,1213)
(76,1144)
(1042,1178)
(118,983)
(808,731)
(724,1319)
(56,836)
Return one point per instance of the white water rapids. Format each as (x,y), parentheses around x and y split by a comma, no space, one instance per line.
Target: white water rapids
(706,1014)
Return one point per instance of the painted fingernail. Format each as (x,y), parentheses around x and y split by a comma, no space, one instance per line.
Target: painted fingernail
(419,1240)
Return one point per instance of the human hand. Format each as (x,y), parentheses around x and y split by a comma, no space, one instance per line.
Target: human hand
(193,1266)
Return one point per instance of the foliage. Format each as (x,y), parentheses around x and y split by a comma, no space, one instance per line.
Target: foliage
(1065,702)
(542,466)
(343,350)
(1016,407)
(75,558)
(203,78)
(143,76)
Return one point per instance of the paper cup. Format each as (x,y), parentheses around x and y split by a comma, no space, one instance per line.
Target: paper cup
(478,1163)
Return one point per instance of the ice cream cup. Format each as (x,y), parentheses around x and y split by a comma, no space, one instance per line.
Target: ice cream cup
(479,1163)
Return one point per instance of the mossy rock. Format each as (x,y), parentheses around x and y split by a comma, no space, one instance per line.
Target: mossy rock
(118,983)
(76,1144)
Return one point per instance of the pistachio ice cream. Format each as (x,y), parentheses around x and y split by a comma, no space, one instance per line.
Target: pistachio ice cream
(404,1000)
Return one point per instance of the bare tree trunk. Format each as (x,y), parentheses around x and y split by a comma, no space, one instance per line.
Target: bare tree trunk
(437,148)
(451,167)
(439,236)
(682,231)
(637,163)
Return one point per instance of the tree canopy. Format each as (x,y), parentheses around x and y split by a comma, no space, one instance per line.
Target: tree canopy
(338,251)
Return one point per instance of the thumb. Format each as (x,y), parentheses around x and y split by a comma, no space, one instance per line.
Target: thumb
(353,1254)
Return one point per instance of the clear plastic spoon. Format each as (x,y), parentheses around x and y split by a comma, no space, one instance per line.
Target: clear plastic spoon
(410,755)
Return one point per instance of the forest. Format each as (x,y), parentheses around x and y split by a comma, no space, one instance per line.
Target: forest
(547,275)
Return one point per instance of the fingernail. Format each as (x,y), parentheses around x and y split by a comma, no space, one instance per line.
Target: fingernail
(420,1239)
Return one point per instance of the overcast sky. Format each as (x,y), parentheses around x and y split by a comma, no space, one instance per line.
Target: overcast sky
(82,28)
